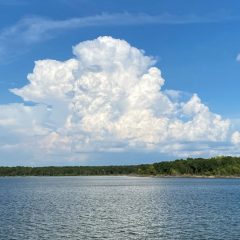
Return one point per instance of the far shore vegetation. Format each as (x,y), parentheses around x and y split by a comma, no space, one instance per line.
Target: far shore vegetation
(222,166)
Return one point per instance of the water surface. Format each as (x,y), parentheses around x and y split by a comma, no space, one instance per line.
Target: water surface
(119,208)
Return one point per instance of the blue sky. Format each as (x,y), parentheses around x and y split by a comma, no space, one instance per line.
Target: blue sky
(195,45)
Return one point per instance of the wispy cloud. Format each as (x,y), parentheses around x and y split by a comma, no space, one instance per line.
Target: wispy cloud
(16,38)
(238,58)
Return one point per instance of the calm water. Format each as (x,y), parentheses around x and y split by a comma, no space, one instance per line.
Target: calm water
(119,208)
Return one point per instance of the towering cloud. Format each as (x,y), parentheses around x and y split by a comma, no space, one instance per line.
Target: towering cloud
(109,97)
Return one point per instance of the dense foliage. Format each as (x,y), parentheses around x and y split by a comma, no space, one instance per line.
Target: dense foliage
(218,166)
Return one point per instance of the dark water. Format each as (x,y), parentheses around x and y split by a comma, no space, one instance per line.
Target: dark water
(119,208)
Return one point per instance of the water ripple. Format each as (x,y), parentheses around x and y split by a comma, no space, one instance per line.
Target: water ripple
(119,208)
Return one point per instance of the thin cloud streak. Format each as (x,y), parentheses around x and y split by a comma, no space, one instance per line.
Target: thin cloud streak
(15,39)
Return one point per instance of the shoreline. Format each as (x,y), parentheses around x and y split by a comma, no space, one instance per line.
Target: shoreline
(130,175)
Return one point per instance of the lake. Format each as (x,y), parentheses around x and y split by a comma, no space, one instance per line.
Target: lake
(119,208)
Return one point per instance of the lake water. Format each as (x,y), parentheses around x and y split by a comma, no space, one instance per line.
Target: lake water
(119,208)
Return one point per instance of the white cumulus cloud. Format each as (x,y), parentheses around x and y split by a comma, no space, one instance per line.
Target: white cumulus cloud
(236,137)
(109,98)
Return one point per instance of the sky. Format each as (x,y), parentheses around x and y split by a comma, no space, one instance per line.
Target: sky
(87,82)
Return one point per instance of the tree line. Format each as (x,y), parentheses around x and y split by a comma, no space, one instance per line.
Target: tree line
(216,166)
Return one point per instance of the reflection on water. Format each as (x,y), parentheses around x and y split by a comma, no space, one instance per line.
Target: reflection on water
(119,208)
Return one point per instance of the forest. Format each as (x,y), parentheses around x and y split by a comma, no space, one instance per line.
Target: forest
(221,166)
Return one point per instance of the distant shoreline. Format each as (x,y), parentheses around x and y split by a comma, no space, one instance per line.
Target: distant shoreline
(216,167)
(137,176)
